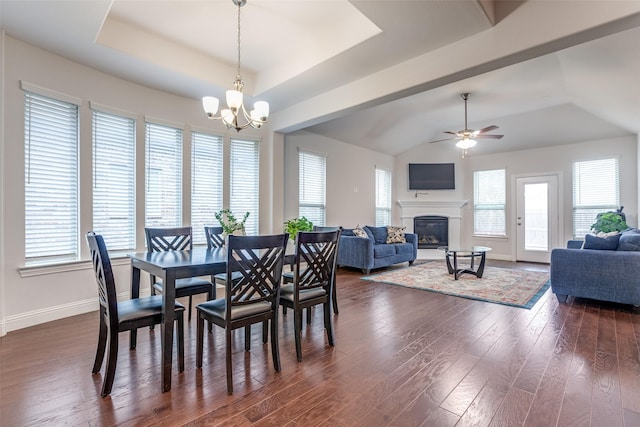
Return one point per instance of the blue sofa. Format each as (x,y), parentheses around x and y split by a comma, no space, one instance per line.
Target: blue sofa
(611,274)
(368,253)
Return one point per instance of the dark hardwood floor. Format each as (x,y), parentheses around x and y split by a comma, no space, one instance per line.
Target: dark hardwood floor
(403,357)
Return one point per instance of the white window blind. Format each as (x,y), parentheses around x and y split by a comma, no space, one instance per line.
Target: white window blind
(51,179)
(114,180)
(596,189)
(312,186)
(383,197)
(245,182)
(489,199)
(206,182)
(163,176)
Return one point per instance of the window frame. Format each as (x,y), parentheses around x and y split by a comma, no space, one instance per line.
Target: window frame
(312,186)
(383,207)
(497,206)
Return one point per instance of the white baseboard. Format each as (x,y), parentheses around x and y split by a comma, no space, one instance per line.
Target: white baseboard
(49,314)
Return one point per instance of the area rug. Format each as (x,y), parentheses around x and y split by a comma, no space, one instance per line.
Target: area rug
(517,288)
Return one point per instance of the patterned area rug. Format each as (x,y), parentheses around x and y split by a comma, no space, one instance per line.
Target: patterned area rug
(518,288)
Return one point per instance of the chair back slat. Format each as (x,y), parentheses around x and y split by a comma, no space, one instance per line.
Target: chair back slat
(169,239)
(215,238)
(107,296)
(315,259)
(259,261)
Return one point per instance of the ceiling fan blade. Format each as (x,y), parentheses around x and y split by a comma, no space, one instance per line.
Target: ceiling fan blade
(490,136)
(488,129)
(452,133)
(442,140)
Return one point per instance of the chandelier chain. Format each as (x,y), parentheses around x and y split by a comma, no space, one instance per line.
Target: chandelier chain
(239,76)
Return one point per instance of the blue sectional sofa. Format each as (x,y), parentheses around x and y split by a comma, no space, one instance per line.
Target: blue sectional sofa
(373,251)
(601,269)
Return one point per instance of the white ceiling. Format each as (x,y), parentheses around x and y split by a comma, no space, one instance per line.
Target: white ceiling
(584,87)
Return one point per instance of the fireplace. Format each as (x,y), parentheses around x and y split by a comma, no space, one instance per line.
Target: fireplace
(432,231)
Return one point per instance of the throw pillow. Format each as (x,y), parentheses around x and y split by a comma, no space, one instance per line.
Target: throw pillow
(379,234)
(359,232)
(629,242)
(395,234)
(609,243)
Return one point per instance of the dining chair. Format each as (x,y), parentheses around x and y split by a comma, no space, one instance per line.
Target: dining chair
(177,239)
(116,317)
(313,278)
(251,299)
(215,237)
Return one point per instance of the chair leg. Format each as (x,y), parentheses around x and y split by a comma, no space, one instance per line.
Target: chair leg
(284,310)
(275,349)
(190,300)
(334,298)
(228,357)
(297,330)
(308,315)
(112,359)
(327,322)
(102,344)
(265,330)
(211,296)
(153,292)
(133,338)
(180,326)
(247,338)
(199,340)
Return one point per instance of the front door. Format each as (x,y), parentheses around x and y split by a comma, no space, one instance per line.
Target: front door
(537,217)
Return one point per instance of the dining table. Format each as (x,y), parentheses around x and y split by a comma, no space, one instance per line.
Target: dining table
(169,266)
(172,265)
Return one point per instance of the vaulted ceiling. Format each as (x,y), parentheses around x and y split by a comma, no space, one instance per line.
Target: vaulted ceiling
(381,74)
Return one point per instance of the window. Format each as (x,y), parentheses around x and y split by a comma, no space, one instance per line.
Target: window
(163,176)
(51,179)
(489,198)
(245,179)
(206,182)
(595,189)
(312,188)
(383,197)
(114,180)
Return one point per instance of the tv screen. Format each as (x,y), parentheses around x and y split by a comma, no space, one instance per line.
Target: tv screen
(432,176)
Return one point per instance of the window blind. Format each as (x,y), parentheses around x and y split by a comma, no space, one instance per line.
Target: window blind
(383,197)
(51,179)
(596,189)
(489,200)
(244,183)
(312,186)
(163,176)
(114,180)
(206,182)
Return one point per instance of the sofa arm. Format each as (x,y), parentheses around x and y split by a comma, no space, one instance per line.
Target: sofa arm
(355,252)
(413,239)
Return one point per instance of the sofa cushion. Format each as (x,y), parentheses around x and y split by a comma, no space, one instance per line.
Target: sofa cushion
(403,248)
(383,250)
(629,241)
(379,233)
(359,232)
(395,234)
(609,243)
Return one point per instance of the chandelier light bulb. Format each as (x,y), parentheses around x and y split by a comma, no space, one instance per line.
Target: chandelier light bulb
(210,105)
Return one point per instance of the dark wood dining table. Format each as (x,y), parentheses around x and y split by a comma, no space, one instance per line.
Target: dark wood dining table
(169,266)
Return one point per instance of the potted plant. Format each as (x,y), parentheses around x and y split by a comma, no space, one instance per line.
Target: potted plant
(292,226)
(229,223)
(608,222)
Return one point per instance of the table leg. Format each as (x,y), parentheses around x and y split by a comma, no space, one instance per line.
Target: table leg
(168,316)
(455,266)
(481,266)
(448,258)
(135,293)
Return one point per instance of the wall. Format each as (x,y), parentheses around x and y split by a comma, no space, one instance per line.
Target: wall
(557,159)
(36,296)
(351,182)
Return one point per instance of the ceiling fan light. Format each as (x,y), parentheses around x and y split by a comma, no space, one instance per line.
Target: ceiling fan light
(466,143)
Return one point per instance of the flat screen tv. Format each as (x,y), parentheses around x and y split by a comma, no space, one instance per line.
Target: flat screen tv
(432,176)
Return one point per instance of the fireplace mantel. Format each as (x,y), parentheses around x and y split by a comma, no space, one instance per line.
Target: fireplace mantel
(452,209)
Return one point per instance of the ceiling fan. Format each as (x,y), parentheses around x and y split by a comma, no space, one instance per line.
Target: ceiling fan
(467,137)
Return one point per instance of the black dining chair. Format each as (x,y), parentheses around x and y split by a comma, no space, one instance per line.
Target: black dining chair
(313,277)
(215,237)
(116,317)
(177,239)
(253,298)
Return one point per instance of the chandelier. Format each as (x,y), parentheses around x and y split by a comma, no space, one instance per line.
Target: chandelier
(236,116)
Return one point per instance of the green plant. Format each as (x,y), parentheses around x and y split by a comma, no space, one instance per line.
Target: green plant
(608,222)
(292,226)
(229,222)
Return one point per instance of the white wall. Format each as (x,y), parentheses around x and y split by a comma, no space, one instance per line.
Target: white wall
(351,182)
(36,296)
(558,159)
